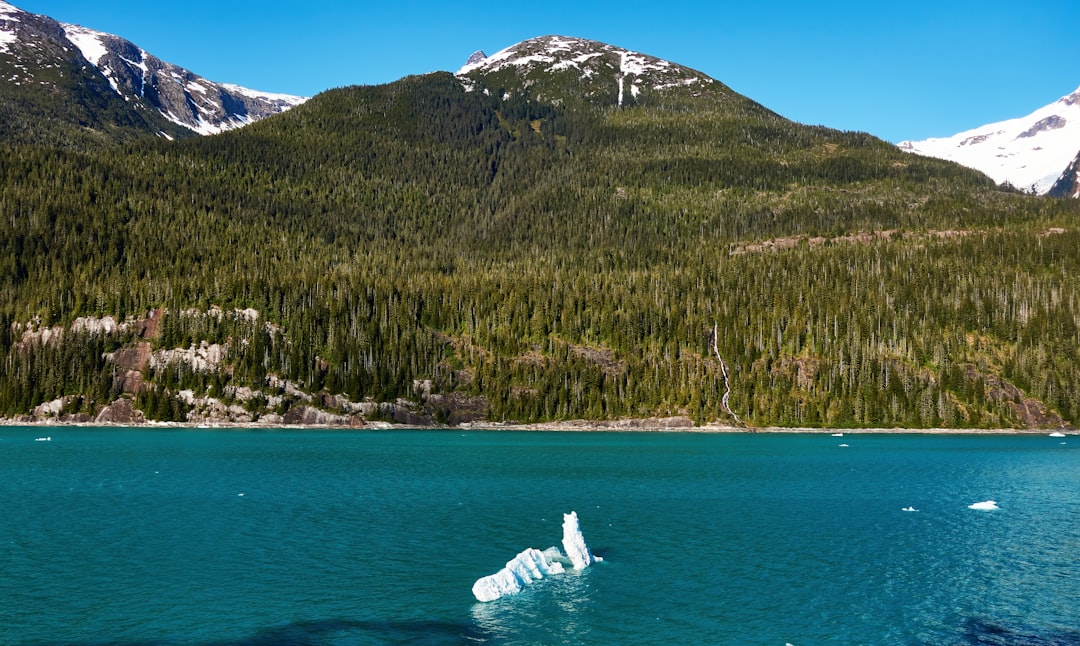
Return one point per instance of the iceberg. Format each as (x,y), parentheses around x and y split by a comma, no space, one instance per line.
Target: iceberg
(528,566)
(574,543)
(533,565)
(987,505)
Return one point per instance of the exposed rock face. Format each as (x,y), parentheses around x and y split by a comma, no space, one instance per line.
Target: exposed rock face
(477,57)
(307,416)
(204,358)
(1031,412)
(131,363)
(455,408)
(120,411)
(1068,185)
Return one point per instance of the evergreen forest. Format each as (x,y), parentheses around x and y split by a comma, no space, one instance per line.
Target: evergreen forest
(431,253)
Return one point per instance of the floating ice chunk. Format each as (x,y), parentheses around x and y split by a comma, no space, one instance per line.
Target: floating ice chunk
(986,505)
(528,566)
(574,543)
(533,565)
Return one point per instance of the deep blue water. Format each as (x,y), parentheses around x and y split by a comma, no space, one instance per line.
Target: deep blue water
(139,537)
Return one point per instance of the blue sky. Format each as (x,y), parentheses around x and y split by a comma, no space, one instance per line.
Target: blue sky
(899,70)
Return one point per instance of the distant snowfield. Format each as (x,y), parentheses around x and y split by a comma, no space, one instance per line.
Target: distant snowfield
(1030,152)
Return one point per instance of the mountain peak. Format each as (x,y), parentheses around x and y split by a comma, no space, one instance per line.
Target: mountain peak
(602,69)
(35,44)
(477,57)
(1029,153)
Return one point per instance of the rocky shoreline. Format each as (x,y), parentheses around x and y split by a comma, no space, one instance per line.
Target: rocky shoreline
(648,425)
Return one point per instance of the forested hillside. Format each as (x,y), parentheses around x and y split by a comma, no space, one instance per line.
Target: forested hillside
(488,255)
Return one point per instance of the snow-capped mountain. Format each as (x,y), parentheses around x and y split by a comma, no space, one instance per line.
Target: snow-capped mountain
(42,50)
(599,73)
(1030,153)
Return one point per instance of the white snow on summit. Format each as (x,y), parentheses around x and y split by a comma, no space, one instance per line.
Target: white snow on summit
(511,56)
(633,71)
(1029,153)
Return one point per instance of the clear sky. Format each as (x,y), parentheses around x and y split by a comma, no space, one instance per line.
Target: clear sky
(899,70)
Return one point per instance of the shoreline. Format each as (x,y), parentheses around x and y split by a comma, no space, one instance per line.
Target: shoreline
(573,426)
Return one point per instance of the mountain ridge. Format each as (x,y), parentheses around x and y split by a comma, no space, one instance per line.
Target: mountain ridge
(47,56)
(1030,153)
(519,244)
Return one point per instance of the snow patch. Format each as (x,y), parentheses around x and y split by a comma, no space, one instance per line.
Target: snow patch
(90,43)
(8,36)
(6,39)
(10,12)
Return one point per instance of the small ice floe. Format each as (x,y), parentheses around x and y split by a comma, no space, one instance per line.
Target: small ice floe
(909,508)
(43,439)
(986,505)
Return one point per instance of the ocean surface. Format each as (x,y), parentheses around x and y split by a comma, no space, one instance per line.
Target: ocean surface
(138,537)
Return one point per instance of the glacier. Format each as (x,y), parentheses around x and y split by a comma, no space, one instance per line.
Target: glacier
(532,564)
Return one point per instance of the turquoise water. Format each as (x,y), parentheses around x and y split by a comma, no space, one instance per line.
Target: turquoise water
(139,537)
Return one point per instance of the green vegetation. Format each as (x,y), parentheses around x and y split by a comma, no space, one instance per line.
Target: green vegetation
(559,263)
(51,100)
